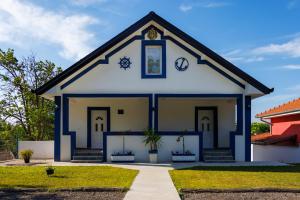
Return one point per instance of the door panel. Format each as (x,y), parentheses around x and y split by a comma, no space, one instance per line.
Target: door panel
(206,125)
(98,126)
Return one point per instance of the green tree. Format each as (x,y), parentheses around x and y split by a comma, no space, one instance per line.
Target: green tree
(32,116)
(259,127)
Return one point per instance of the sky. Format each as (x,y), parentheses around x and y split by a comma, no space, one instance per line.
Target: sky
(262,37)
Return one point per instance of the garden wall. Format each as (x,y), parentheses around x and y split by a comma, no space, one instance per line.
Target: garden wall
(41,149)
(285,154)
(136,145)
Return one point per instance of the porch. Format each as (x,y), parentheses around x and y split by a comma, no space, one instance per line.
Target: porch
(116,123)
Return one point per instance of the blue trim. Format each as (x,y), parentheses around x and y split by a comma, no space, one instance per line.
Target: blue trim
(101,61)
(248,128)
(141,37)
(216,125)
(146,43)
(239,128)
(168,26)
(239,99)
(107,95)
(89,129)
(57,119)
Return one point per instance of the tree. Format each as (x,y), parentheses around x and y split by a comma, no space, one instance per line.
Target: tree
(258,127)
(18,105)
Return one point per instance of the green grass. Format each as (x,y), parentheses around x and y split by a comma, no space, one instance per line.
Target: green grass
(285,177)
(66,177)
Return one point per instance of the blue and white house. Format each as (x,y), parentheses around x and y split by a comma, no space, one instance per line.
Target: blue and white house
(153,75)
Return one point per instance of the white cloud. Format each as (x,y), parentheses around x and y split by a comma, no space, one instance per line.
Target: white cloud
(295,88)
(86,2)
(203,4)
(291,67)
(21,22)
(215,4)
(185,8)
(238,55)
(290,48)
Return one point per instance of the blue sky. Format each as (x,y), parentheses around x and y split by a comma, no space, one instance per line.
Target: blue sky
(261,37)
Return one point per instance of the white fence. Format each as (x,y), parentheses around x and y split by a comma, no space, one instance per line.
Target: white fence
(41,149)
(275,153)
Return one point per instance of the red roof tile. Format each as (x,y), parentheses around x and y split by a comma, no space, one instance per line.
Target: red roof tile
(268,139)
(290,106)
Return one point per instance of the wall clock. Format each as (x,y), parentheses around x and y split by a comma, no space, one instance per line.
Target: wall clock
(181,64)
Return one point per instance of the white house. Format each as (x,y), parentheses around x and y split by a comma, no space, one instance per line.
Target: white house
(152,75)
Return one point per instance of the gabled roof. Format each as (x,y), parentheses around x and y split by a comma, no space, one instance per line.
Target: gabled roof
(286,108)
(159,20)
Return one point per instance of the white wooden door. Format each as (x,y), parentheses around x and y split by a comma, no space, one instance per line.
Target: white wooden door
(206,125)
(98,126)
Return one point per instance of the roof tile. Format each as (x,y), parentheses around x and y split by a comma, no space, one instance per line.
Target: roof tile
(290,106)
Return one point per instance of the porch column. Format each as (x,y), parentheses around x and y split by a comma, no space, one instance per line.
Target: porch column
(57,125)
(248,128)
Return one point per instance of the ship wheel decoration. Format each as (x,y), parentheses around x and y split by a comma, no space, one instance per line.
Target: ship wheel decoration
(181,64)
(125,62)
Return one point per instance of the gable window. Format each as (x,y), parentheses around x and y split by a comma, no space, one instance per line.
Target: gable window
(153,59)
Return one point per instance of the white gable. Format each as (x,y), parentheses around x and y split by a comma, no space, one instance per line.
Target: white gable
(110,78)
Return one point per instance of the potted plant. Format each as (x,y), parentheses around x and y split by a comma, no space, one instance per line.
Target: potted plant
(185,156)
(26,155)
(152,139)
(124,156)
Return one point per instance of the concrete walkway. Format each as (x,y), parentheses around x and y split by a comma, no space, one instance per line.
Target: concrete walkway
(152,182)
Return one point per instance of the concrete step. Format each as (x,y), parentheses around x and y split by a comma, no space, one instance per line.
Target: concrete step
(219,161)
(206,158)
(217,153)
(87,154)
(87,157)
(86,161)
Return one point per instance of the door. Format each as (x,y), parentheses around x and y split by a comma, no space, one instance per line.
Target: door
(98,126)
(206,125)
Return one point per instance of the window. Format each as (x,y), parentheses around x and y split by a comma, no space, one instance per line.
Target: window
(153,59)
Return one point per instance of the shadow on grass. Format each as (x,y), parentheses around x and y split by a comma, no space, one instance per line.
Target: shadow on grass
(281,169)
(57,176)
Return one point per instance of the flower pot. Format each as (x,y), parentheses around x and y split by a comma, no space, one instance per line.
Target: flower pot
(153,156)
(183,157)
(122,158)
(27,160)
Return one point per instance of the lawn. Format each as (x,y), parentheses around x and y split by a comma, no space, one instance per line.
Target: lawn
(284,177)
(66,177)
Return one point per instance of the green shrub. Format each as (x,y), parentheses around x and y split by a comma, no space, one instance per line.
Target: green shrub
(26,155)
(49,171)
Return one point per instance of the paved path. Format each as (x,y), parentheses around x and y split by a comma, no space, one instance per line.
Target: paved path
(152,183)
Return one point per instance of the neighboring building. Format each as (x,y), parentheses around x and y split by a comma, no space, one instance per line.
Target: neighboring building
(282,142)
(152,75)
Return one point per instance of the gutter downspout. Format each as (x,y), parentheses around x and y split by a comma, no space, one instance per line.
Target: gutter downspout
(263,120)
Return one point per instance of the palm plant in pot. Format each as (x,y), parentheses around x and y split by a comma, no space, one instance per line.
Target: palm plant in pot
(153,140)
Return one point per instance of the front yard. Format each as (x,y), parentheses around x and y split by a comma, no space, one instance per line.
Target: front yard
(283,177)
(66,177)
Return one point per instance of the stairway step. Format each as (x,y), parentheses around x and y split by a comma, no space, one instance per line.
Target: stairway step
(219,161)
(86,161)
(218,158)
(87,154)
(217,153)
(87,157)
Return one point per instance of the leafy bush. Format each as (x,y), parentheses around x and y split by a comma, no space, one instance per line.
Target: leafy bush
(258,127)
(49,171)
(26,155)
